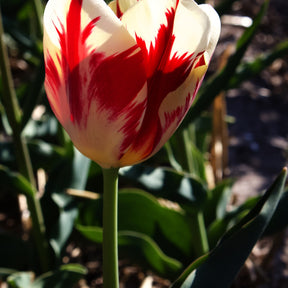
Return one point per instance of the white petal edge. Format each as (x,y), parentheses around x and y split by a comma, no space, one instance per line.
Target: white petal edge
(215,27)
(196,28)
(109,35)
(145,18)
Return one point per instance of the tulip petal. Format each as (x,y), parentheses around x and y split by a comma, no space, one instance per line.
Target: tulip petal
(215,27)
(201,24)
(176,75)
(121,87)
(119,7)
(198,42)
(95,78)
(150,22)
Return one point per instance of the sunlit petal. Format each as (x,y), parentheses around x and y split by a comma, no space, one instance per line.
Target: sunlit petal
(119,7)
(150,22)
(95,81)
(121,82)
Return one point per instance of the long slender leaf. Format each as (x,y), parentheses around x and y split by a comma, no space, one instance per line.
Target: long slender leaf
(248,70)
(279,220)
(222,264)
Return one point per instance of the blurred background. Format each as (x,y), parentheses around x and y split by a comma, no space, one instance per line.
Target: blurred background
(249,120)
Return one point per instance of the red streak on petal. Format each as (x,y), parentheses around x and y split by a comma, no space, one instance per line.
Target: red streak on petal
(200,60)
(88,30)
(159,86)
(118,10)
(130,130)
(116,80)
(154,54)
(73,33)
(52,81)
(73,51)
(165,75)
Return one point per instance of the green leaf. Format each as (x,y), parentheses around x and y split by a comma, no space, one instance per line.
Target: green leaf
(7,155)
(172,160)
(47,128)
(198,162)
(66,276)
(223,263)
(219,226)
(251,69)
(6,272)
(202,132)
(138,247)
(167,183)
(93,233)
(279,220)
(187,154)
(218,83)
(72,172)
(20,280)
(16,182)
(11,27)
(45,155)
(141,212)
(217,200)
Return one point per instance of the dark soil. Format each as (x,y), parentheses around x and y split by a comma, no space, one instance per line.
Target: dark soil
(259,142)
(258,139)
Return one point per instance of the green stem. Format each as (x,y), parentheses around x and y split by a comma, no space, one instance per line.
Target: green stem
(39,231)
(8,98)
(201,245)
(200,241)
(38,8)
(188,150)
(13,113)
(110,222)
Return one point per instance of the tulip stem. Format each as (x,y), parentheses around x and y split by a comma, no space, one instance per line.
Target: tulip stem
(110,222)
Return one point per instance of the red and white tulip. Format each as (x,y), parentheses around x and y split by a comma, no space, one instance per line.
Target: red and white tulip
(120,78)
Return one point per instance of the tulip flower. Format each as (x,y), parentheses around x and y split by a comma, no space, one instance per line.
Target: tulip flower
(120,78)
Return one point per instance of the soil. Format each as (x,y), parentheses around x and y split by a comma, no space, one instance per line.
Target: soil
(258,139)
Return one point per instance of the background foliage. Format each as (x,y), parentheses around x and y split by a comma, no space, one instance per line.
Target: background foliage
(171,211)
